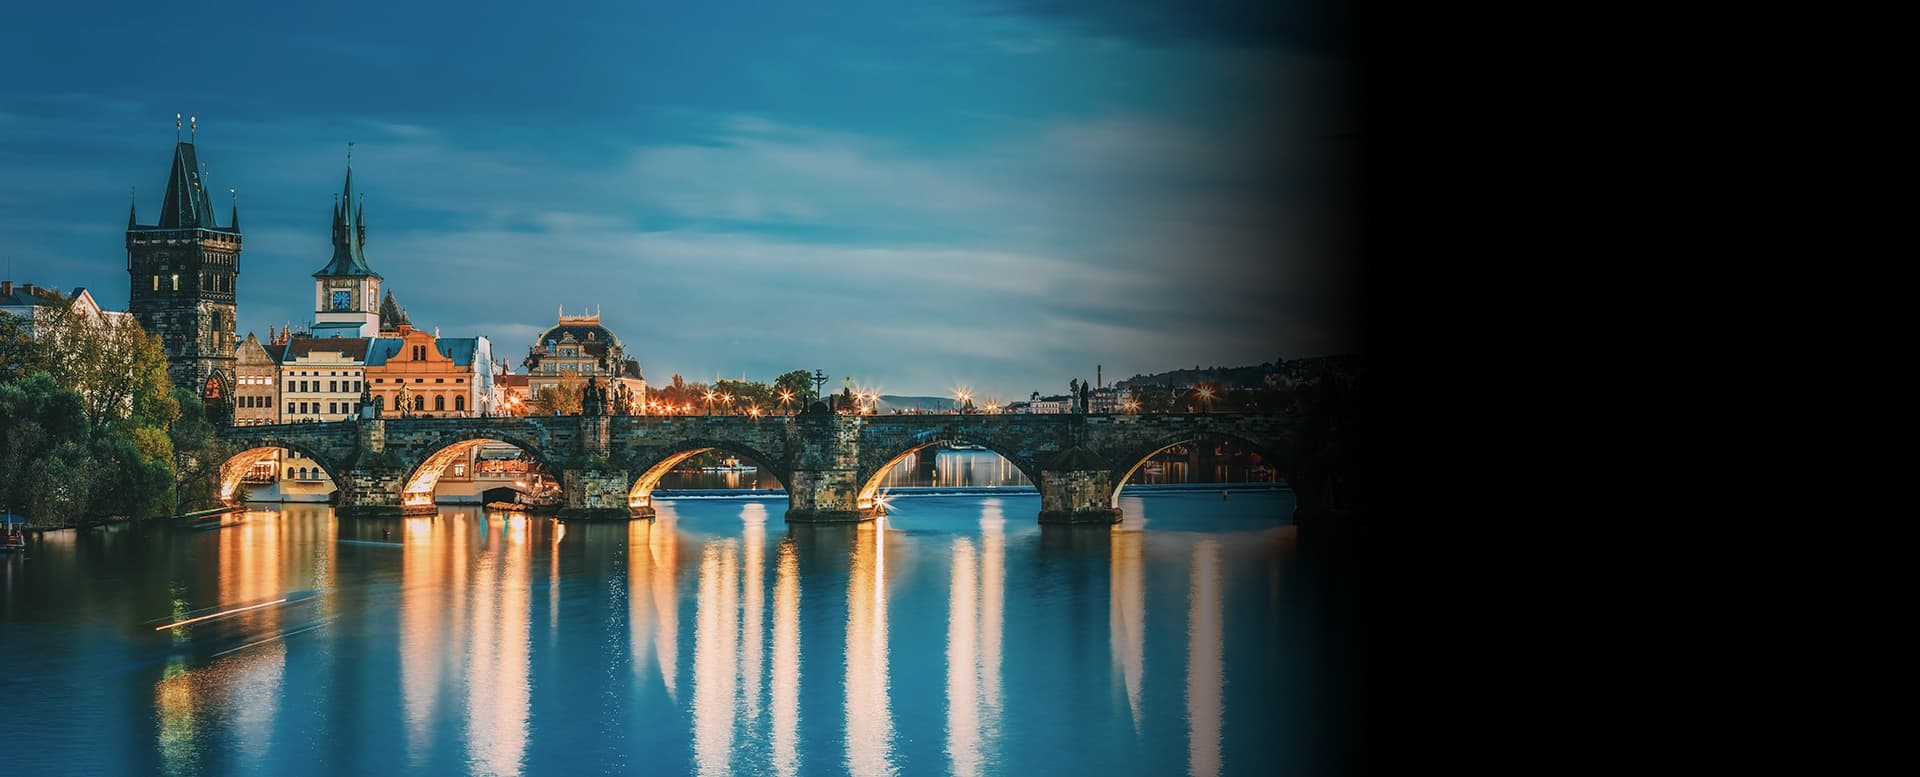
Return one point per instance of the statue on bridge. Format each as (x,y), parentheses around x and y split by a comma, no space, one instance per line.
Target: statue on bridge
(593,398)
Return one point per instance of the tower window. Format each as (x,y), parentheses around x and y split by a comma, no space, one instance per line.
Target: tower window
(156,283)
(176,281)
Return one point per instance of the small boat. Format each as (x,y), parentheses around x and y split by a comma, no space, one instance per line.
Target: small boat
(215,518)
(11,536)
(965,446)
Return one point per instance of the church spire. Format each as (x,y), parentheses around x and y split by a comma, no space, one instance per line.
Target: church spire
(133,206)
(234,223)
(349,235)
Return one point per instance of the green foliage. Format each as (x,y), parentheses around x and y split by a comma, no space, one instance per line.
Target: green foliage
(745,394)
(800,384)
(680,393)
(563,399)
(91,426)
(196,455)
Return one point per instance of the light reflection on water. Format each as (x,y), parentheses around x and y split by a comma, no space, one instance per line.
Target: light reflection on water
(958,638)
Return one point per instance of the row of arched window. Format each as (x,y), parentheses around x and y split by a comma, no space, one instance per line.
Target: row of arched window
(439,403)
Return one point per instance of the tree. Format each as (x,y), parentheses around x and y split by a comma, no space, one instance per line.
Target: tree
(564,398)
(196,454)
(1155,399)
(800,385)
(747,393)
(90,424)
(20,354)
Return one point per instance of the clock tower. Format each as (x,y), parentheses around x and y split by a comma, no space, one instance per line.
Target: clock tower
(347,292)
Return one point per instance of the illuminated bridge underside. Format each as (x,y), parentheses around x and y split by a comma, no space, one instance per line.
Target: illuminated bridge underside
(832,465)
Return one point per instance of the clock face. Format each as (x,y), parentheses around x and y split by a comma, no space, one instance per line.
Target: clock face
(342,299)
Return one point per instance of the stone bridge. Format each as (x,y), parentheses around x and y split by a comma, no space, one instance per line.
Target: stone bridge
(831,464)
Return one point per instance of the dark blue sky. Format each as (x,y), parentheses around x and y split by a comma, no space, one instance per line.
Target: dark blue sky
(996,195)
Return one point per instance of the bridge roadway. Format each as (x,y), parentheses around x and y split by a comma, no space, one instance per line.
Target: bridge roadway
(832,464)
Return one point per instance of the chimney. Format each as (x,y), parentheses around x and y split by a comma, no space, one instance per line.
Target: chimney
(405,329)
(6,288)
(1098,381)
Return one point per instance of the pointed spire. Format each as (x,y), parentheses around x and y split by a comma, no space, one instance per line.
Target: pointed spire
(349,235)
(186,205)
(235,221)
(133,205)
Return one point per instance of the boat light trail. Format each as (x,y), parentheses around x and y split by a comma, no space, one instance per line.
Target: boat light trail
(178,624)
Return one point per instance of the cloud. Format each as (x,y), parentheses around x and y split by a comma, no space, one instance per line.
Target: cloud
(1311,25)
(1136,240)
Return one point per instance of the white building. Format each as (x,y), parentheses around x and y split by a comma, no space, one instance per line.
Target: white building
(321,378)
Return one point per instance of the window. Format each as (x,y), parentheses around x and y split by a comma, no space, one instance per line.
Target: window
(439,403)
(419,380)
(459,380)
(356,387)
(460,403)
(396,401)
(156,283)
(333,386)
(289,411)
(439,380)
(379,380)
(419,403)
(176,281)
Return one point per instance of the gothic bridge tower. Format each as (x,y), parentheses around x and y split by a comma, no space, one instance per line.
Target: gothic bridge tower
(183,272)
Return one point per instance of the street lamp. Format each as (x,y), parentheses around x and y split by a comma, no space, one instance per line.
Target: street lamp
(709,403)
(785,397)
(1206,396)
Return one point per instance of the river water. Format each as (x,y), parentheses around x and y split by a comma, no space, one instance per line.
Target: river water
(956,637)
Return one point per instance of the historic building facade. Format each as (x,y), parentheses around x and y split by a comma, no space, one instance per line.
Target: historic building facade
(183,272)
(580,345)
(256,392)
(321,378)
(422,374)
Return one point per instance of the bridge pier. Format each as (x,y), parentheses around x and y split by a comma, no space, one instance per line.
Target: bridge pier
(1077,488)
(598,494)
(825,482)
(373,485)
(827,496)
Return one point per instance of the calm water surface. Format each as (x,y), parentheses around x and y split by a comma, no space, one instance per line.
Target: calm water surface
(959,638)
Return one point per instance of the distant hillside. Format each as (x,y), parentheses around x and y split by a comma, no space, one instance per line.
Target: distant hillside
(1252,376)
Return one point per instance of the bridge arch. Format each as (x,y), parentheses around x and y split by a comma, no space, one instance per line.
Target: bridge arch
(870,480)
(250,452)
(1134,458)
(655,465)
(417,489)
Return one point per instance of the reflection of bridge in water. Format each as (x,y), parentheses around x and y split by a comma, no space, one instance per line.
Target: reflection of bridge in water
(833,466)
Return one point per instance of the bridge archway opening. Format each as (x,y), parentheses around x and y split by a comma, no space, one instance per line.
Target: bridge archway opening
(292,469)
(716,465)
(484,466)
(967,463)
(1234,459)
